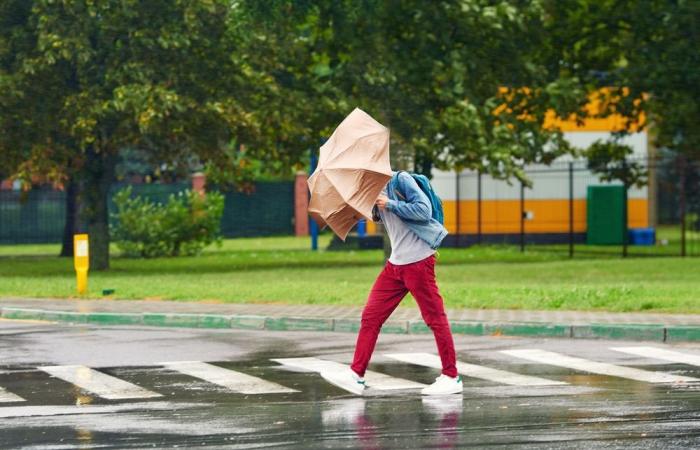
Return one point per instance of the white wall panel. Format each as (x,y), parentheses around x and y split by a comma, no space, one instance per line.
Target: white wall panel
(583,139)
(549,182)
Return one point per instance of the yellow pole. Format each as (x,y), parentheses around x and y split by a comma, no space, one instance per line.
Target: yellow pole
(81,259)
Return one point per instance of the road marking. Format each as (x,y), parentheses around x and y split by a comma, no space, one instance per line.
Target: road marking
(373,380)
(475,371)
(98,383)
(61,410)
(584,365)
(660,353)
(230,379)
(7,397)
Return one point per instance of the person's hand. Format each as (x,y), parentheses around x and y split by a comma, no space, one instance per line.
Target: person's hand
(381,202)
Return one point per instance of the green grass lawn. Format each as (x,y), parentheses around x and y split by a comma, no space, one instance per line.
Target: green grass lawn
(284,270)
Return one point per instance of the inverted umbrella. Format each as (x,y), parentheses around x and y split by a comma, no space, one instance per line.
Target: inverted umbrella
(352,170)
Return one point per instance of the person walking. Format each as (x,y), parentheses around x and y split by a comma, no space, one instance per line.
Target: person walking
(406,213)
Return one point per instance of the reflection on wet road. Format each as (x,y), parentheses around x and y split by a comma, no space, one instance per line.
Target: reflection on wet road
(264,391)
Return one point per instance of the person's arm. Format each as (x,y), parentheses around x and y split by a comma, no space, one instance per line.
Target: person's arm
(416,205)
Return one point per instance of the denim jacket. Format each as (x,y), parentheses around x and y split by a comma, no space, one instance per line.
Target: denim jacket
(410,203)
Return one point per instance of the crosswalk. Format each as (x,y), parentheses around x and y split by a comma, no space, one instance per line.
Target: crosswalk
(95,382)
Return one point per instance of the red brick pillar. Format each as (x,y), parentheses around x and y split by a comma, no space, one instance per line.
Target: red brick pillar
(301,205)
(199,180)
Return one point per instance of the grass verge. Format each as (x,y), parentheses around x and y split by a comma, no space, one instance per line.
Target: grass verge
(283,270)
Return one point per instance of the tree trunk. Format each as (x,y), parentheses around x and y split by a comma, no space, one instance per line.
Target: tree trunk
(98,175)
(71,225)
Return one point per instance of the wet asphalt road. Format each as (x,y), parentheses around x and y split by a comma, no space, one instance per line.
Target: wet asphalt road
(590,411)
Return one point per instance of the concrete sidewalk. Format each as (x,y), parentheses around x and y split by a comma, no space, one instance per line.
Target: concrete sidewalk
(573,324)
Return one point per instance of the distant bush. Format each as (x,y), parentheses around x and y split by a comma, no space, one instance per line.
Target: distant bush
(184,225)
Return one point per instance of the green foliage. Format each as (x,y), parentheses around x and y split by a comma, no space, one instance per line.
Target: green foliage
(185,225)
(80,80)
(661,68)
(431,71)
(238,169)
(646,50)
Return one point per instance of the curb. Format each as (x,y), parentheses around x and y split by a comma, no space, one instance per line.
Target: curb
(645,332)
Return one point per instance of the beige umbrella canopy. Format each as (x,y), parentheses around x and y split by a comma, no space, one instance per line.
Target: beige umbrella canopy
(353,168)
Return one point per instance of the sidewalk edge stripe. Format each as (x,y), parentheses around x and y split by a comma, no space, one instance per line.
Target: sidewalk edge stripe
(620,331)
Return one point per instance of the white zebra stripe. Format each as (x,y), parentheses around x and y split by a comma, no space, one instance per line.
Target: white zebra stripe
(660,353)
(8,397)
(230,379)
(98,383)
(373,380)
(585,365)
(475,371)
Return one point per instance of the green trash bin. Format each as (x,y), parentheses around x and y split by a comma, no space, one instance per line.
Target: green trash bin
(605,215)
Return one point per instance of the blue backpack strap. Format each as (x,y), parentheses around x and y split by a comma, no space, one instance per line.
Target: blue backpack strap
(394,186)
(436,204)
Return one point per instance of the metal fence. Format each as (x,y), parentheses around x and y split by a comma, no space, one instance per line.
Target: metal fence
(35,216)
(269,210)
(38,215)
(554,213)
(550,215)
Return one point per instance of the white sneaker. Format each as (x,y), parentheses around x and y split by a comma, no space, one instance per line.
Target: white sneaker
(345,379)
(444,385)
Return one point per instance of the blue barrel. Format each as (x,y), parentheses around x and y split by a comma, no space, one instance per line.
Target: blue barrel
(642,236)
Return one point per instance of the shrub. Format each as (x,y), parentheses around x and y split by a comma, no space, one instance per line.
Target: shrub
(184,225)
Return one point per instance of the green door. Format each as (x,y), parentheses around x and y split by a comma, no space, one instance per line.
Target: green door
(605,215)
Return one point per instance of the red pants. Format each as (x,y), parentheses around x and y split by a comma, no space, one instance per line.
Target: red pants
(392,285)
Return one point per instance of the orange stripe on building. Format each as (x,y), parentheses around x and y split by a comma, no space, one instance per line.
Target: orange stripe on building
(550,216)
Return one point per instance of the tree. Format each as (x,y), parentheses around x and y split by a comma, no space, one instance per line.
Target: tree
(660,64)
(644,54)
(646,51)
(610,160)
(85,79)
(461,84)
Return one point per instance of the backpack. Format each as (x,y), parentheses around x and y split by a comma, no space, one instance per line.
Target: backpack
(435,202)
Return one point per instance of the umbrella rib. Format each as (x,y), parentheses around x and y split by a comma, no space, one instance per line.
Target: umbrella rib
(355,168)
(385,130)
(340,194)
(346,200)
